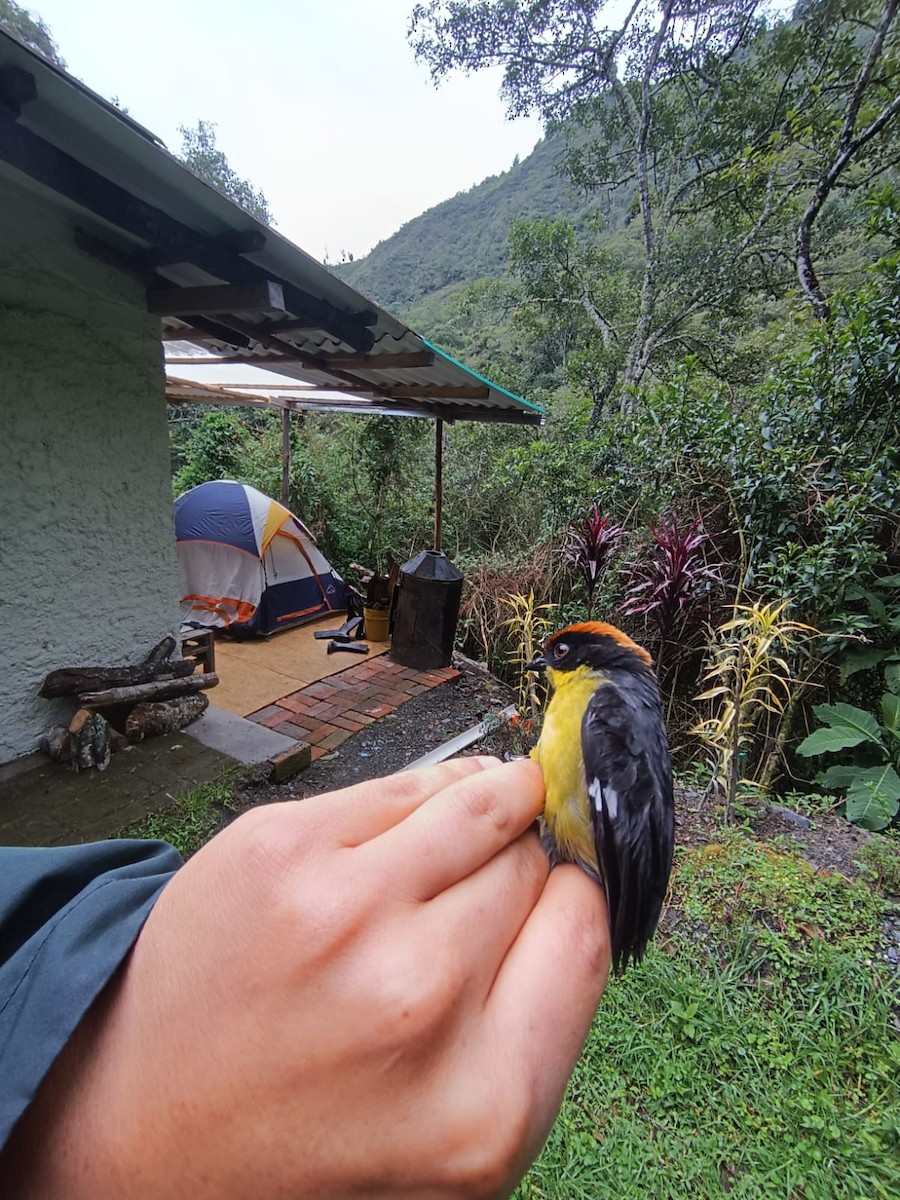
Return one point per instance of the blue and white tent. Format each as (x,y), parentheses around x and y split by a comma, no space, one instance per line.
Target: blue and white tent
(247,564)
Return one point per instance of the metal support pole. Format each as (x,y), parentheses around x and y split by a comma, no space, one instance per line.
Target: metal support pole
(286,457)
(438,480)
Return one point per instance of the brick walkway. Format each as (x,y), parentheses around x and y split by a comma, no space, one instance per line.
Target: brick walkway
(326,713)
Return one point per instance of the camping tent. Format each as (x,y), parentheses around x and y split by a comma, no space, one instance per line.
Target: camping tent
(247,564)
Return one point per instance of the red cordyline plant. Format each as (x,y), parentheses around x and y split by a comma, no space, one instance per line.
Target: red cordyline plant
(672,586)
(591,542)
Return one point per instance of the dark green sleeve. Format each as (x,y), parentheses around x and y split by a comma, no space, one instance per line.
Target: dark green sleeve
(68,917)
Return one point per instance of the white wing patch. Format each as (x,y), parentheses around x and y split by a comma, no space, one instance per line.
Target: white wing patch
(604,797)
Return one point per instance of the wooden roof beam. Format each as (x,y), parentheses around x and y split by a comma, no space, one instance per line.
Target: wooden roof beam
(206,327)
(17,87)
(292,353)
(54,168)
(260,296)
(241,241)
(289,326)
(437,391)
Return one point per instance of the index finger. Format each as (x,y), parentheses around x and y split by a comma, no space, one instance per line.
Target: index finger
(551,982)
(363,811)
(462,827)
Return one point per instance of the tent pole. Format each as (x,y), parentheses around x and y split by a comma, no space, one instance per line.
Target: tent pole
(286,456)
(438,480)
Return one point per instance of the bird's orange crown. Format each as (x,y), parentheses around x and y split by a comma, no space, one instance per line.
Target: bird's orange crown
(602,629)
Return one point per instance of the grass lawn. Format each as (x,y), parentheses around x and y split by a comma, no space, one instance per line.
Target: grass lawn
(754,1053)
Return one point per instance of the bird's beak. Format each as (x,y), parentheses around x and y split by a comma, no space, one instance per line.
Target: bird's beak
(537,664)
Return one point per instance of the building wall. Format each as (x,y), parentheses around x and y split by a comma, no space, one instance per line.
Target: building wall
(87,549)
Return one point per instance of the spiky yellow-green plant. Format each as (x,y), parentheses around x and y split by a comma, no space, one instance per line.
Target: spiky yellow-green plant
(528,624)
(751,687)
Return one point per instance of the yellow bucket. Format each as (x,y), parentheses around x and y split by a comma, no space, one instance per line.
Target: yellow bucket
(376,622)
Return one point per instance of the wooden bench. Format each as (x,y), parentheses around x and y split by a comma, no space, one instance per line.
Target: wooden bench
(199,645)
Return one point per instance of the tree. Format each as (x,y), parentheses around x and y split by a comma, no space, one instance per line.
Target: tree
(654,89)
(31,30)
(582,294)
(869,77)
(732,131)
(200,152)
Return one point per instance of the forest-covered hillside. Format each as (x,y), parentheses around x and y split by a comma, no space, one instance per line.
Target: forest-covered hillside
(466,238)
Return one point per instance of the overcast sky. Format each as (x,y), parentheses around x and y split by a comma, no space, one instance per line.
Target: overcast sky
(317,102)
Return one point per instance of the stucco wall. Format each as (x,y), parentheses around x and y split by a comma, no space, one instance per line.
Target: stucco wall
(87,549)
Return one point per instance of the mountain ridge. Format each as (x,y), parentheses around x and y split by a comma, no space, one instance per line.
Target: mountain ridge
(465,237)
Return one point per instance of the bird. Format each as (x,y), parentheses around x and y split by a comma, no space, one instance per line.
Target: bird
(604,754)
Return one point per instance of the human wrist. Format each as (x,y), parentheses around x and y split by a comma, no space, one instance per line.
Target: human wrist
(57,1149)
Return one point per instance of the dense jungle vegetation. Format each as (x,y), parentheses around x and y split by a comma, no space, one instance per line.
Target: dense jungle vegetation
(697,274)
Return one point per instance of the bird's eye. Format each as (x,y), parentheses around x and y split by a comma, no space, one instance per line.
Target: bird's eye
(561,649)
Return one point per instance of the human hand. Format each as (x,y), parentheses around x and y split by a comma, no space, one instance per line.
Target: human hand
(378,992)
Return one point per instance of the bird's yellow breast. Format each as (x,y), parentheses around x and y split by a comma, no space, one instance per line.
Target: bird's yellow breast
(566,812)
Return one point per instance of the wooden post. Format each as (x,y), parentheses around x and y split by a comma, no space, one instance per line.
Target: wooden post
(286,456)
(438,480)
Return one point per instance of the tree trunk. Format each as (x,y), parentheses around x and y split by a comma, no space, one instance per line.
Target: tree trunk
(849,144)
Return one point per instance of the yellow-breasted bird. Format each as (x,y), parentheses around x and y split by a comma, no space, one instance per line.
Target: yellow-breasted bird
(608,777)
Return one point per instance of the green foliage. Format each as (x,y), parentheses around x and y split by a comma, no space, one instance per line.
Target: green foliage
(193,818)
(29,28)
(752,682)
(872,787)
(528,625)
(847,726)
(881,858)
(212,447)
(576,292)
(750,1053)
(200,152)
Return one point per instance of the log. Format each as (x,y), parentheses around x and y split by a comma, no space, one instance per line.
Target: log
(161,651)
(85,744)
(364,573)
(165,716)
(160,690)
(69,681)
(55,743)
(89,734)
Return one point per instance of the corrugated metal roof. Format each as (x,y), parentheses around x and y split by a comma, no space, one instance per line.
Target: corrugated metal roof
(218,277)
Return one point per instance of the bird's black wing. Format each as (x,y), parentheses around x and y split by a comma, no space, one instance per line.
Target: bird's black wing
(629,780)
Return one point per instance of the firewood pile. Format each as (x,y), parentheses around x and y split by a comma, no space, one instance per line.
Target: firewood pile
(378,587)
(153,697)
